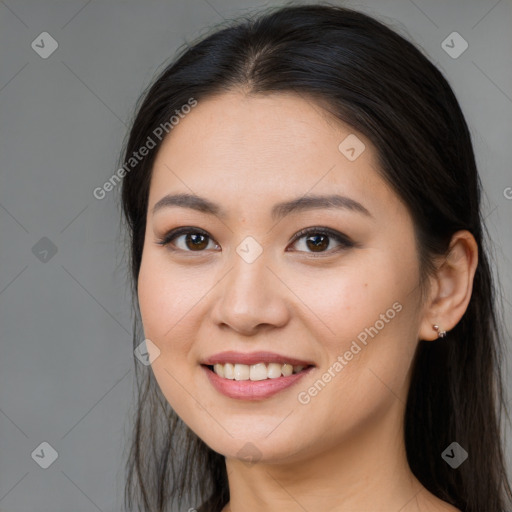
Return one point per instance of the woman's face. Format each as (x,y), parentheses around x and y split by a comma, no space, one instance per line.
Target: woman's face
(237,281)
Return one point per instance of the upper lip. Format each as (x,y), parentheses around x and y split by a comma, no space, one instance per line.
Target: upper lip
(249,358)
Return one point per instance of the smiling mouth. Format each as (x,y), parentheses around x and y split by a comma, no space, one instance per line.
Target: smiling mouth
(255,372)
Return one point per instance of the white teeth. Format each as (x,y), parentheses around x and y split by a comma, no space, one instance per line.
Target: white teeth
(274,370)
(259,371)
(287,369)
(229,371)
(218,369)
(241,372)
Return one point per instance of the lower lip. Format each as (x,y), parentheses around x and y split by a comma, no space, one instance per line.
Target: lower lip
(253,389)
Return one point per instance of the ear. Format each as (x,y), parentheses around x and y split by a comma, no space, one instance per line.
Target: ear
(451,286)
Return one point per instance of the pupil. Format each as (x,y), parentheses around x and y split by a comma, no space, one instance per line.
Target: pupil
(317,244)
(194,239)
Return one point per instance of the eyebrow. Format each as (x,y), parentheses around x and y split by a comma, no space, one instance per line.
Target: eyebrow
(279,210)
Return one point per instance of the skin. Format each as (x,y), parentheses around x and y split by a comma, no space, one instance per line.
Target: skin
(344,450)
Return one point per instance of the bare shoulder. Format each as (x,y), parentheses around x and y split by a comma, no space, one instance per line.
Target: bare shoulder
(428,502)
(438,505)
(443,506)
(446,507)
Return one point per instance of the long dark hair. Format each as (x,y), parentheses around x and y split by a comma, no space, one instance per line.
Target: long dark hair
(376,81)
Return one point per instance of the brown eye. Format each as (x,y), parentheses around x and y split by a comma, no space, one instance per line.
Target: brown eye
(186,239)
(196,241)
(318,240)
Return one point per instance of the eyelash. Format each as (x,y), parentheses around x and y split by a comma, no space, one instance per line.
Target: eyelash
(344,241)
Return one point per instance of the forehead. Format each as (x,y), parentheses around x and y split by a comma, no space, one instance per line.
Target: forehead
(256,127)
(248,147)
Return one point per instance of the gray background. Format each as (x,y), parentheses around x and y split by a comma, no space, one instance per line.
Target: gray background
(66,363)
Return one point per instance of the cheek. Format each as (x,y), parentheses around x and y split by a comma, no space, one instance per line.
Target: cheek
(152,301)
(166,297)
(366,318)
(163,303)
(167,318)
(346,301)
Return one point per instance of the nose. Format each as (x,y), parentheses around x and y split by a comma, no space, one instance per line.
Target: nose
(251,297)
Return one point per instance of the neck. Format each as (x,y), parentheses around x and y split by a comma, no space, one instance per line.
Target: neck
(367,471)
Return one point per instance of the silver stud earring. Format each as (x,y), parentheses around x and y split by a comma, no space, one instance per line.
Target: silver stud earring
(440,332)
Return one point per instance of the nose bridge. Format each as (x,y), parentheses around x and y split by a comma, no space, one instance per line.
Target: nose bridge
(251,295)
(249,276)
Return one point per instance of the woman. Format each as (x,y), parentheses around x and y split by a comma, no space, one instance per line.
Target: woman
(309,266)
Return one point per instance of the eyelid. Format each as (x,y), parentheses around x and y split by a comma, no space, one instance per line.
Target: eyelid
(183,230)
(344,241)
(340,237)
